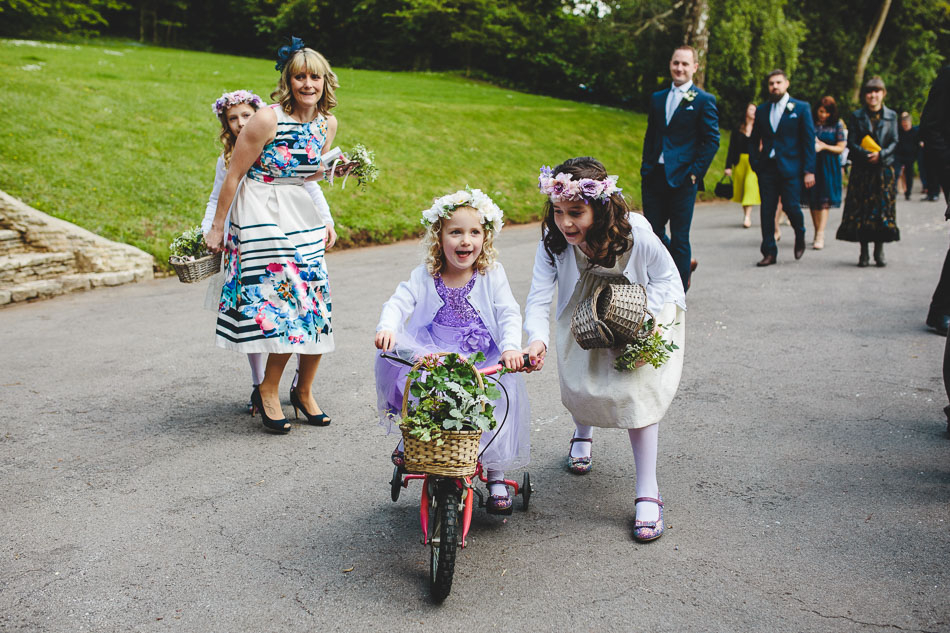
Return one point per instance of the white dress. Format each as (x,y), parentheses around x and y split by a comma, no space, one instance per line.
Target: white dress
(593,391)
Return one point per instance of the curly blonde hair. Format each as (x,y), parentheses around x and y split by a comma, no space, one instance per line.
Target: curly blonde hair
(313,62)
(435,257)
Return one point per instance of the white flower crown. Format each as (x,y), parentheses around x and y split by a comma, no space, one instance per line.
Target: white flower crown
(489,213)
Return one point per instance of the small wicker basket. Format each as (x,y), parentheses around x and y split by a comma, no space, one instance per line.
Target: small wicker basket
(457,456)
(611,316)
(589,331)
(190,272)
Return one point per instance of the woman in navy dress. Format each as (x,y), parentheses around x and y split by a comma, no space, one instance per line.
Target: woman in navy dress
(830,141)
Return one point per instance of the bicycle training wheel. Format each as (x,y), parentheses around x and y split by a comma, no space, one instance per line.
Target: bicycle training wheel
(445,538)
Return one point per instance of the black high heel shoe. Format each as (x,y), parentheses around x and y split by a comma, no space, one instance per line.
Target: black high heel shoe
(275,426)
(319,419)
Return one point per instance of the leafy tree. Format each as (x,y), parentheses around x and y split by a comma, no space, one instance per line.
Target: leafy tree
(749,38)
(50,18)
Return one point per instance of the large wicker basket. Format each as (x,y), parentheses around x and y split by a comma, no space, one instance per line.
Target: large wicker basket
(190,272)
(611,316)
(623,307)
(457,456)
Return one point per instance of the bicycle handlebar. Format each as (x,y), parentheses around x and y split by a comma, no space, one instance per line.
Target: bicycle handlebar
(485,371)
(488,371)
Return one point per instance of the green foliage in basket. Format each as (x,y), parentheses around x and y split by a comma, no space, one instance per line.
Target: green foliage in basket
(652,350)
(189,246)
(447,397)
(366,169)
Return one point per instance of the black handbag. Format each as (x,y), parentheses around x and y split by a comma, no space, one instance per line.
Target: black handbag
(724,189)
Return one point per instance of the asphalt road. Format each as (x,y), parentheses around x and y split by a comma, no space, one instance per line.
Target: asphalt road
(805,466)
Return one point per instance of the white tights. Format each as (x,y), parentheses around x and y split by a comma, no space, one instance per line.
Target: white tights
(257,361)
(644,442)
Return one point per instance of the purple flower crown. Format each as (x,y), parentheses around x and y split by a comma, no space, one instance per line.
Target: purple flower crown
(561,187)
(229,99)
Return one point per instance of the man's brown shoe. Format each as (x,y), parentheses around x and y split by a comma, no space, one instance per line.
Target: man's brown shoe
(768,260)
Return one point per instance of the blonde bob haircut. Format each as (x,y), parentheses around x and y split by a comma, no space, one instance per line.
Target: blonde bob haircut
(435,257)
(310,61)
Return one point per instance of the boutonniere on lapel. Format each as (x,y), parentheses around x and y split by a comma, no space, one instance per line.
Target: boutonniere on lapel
(790,107)
(690,95)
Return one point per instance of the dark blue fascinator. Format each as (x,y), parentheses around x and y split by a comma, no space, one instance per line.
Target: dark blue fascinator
(284,52)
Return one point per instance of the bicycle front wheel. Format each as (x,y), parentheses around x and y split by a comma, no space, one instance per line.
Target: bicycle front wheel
(445,538)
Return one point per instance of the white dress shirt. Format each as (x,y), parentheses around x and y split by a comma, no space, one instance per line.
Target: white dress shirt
(775,116)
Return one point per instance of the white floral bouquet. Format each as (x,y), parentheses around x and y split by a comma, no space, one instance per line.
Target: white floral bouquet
(189,246)
(359,162)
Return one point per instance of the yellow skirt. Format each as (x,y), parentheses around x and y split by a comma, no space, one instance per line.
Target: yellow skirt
(745,184)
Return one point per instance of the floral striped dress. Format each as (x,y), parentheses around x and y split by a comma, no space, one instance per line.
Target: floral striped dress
(276,294)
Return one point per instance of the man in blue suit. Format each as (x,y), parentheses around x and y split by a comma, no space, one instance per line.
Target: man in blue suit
(786,132)
(681,140)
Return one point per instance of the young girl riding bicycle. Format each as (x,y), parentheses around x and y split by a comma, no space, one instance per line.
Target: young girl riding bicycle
(459,300)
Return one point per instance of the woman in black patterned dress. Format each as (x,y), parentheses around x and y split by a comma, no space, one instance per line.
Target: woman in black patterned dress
(870,208)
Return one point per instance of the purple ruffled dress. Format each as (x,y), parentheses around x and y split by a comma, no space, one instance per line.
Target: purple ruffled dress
(458,328)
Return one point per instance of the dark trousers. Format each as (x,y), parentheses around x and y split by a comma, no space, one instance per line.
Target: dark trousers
(940,303)
(663,203)
(772,185)
(908,168)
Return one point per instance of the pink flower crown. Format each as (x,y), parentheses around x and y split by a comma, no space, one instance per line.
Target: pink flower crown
(561,187)
(229,99)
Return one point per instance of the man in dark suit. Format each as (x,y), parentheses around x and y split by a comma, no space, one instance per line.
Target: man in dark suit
(681,140)
(785,129)
(935,133)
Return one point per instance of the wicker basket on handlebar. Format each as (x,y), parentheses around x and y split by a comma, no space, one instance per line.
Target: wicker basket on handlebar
(611,317)
(457,456)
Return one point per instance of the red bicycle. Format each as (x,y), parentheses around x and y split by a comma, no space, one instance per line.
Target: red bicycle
(446,506)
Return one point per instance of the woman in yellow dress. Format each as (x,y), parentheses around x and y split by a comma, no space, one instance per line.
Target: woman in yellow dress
(745,184)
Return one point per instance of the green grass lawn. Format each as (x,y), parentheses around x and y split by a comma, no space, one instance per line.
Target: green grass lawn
(120,139)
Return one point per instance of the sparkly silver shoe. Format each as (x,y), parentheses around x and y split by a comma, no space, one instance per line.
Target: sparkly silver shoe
(578,465)
(646,531)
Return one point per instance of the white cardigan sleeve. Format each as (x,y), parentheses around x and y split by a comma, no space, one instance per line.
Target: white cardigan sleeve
(401,304)
(507,311)
(219,173)
(664,280)
(316,193)
(537,311)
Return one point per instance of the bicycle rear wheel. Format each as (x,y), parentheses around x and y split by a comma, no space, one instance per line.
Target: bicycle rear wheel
(445,538)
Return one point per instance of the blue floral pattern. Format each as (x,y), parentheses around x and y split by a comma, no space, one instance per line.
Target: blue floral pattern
(291,300)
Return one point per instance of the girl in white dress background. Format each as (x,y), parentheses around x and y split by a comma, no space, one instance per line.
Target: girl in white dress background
(590,237)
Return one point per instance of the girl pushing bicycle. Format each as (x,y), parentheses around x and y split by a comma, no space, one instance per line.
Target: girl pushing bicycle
(589,238)
(459,300)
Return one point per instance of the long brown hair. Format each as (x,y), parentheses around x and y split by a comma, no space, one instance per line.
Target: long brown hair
(609,235)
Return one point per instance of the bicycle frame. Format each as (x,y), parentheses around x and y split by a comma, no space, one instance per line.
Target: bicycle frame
(468,498)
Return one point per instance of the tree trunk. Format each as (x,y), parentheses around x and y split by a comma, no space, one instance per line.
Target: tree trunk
(869,43)
(697,36)
(142,23)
